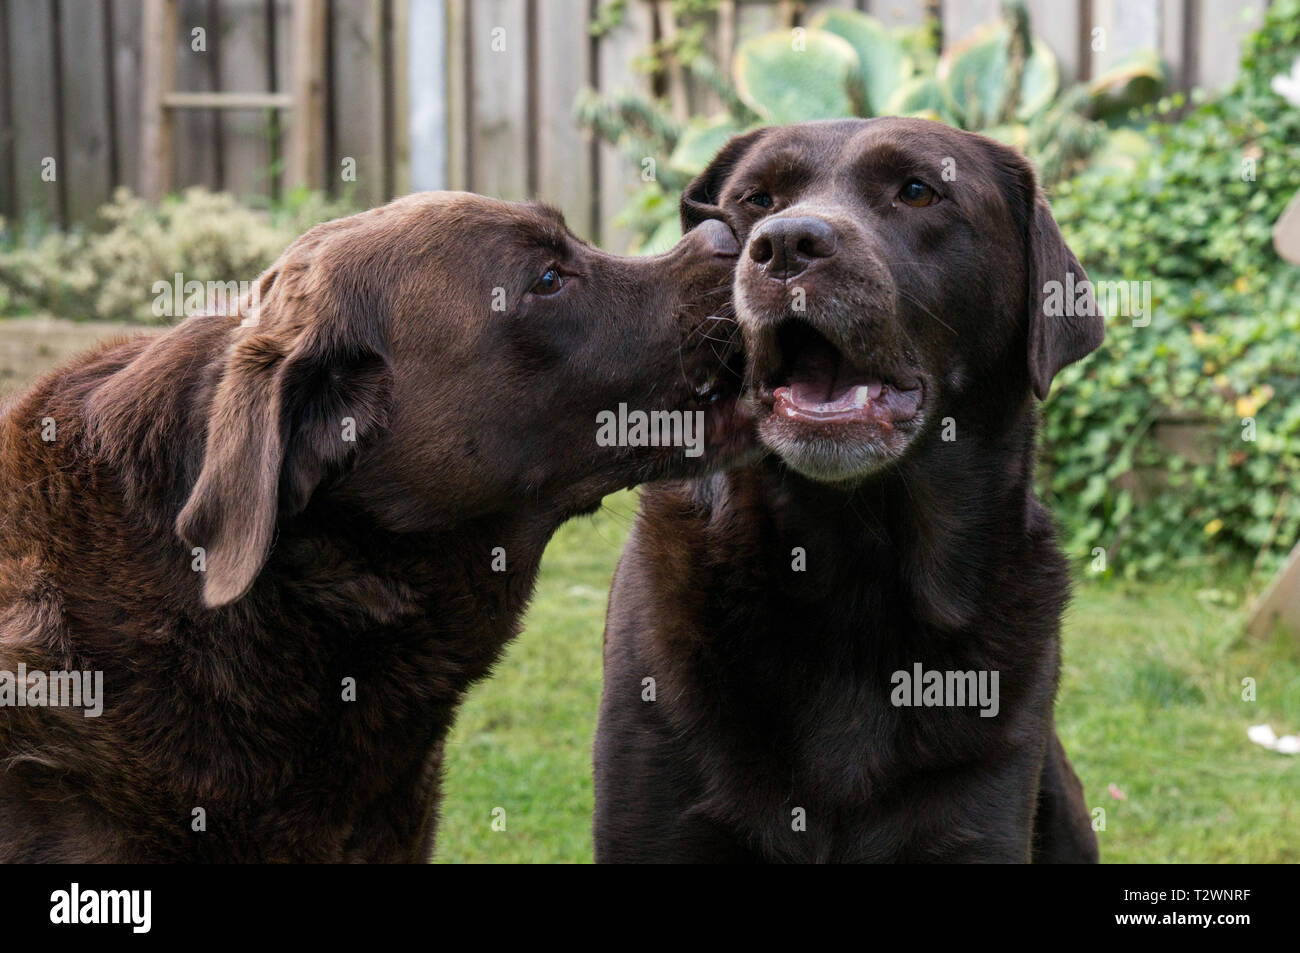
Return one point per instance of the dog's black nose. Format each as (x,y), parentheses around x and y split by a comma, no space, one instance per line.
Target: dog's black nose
(785,247)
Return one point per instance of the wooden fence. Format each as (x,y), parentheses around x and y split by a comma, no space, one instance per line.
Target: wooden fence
(471,94)
(71,74)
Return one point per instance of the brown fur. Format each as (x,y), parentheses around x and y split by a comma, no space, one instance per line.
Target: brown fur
(325,559)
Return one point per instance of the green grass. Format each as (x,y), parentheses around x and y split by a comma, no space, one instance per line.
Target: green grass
(1150,702)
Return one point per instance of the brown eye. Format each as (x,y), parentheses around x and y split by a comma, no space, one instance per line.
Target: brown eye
(548,284)
(761,199)
(917,194)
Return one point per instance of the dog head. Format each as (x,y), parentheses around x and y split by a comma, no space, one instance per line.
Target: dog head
(894,272)
(448,356)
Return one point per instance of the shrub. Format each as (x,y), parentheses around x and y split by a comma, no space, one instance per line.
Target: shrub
(1222,349)
(108,272)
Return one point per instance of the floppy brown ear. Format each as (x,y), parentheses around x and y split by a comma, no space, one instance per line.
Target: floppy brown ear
(279,424)
(702,198)
(1065,324)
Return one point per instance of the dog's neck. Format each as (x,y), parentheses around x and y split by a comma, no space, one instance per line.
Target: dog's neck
(337,564)
(916,523)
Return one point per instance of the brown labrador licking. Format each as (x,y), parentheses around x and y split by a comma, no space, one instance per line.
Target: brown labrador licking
(854,642)
(366,476)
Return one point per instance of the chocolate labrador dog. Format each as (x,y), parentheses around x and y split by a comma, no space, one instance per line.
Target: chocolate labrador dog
(849,650)
(274,548)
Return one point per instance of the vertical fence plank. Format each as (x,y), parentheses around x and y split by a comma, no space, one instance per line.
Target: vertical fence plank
(564,154)
(430,94)
(1173,48)
(157,129)
(282,67)
(1056,22)
(897,12)
(197,160)
(620,176)
(240,46)
(357,97)
(459,101)
(755,18)
(725,42)
(398,71)
(810,10)
(86,132)
(1128,25)
(701,99)
(498,81)
(8,200)
(127,29)
(1223,25)
(32,65)
(960,17)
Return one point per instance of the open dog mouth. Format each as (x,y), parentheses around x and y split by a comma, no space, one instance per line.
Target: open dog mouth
(714,362)
(813,382)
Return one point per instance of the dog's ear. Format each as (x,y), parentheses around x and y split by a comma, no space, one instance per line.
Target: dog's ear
(702,198)
(1065,324)
(302,391)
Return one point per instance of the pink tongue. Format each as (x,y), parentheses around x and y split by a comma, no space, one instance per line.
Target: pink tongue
(812,394)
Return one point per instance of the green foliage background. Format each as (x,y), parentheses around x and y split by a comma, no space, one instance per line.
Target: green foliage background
(1141,198)
(1186,205)
(1223,344)
(101,272)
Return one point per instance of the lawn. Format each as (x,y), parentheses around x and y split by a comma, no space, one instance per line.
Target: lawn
(1150,702)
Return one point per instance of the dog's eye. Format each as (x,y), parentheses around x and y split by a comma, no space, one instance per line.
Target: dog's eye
(548,284)
(917,194)
(761,199)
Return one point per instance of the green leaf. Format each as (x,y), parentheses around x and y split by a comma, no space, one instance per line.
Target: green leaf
(884,65)
(1122,151)
(700,142)
(974,73)
(1040,82)
(1015,135)
(1136,79)
(917,43)
(923,95)
(785,84)
(663,238)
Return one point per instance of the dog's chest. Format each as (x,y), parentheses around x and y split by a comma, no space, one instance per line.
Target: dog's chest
(827,720)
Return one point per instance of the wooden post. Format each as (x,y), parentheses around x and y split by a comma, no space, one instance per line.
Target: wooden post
(306,136)
(159,73)
(676,72)
(726,38)
(460,113)
(400,108)
(1279,605)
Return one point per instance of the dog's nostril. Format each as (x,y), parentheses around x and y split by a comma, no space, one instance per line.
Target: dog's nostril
(817,244)
(760,249)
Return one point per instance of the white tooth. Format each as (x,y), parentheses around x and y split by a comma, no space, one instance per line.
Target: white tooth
(861,396)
